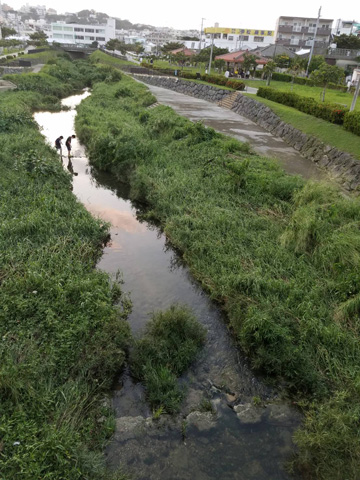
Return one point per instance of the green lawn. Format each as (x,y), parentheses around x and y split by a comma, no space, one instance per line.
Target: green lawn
(331,96)
(108,59)
(328,133)
(174,66)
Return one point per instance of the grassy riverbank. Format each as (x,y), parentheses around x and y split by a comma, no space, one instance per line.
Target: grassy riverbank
(279,254)
(62,338)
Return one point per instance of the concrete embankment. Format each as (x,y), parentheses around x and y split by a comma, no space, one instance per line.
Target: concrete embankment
(340,165)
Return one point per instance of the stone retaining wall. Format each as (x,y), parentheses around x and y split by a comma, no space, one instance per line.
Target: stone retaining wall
(342,166)
(198,90)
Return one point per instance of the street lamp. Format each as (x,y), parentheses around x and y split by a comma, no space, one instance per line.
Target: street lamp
(201,29)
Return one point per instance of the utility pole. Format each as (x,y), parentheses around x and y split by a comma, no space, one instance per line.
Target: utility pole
(313,44)
(211,52)
(356,94)
(201,29)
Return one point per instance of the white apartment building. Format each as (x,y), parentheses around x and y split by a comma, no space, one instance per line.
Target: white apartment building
(298,32)
(62,32)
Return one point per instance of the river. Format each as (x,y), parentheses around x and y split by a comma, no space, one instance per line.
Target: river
(231,425)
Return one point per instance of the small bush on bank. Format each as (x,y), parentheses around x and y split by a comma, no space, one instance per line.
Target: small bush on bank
(171,342)
(327,111)
(352,122)
(235,84)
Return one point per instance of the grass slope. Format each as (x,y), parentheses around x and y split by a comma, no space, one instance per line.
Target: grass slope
(279,254)
(62,339)
(329,133)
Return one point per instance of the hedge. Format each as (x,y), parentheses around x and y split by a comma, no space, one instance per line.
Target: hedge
(352,122)
(327,111)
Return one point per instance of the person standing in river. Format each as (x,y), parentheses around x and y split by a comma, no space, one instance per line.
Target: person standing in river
(58,145)
(68,144)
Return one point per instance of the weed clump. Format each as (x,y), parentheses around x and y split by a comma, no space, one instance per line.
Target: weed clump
(171,342)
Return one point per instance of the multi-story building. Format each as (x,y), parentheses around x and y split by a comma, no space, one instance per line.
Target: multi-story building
(62,32)
(346,27)
(298,32)
(238,38)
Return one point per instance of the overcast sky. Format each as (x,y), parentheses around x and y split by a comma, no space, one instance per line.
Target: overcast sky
(185,14)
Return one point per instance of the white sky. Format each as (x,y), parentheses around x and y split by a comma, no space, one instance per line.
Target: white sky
(187,14)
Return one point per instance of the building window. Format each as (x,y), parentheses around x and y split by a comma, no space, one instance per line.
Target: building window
(242,31)
(262,32)
(55,27)
(256,32)
(89,30)
(89,38)
(100,39)
(193,45)
(248,32)
(100,31)
(68,29)
(224,36)
(258,39)
(270,33)
(69,36)
(78,29)
(79,37)
(57,35)
(230,38)
(244,38)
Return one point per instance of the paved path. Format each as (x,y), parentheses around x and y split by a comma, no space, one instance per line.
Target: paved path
(241,128)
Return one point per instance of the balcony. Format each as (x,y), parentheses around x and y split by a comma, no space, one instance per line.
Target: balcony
(285,29)
(343,53)
(294,41)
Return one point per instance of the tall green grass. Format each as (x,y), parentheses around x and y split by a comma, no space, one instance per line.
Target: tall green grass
(62,338)
(170,344)
(279,254)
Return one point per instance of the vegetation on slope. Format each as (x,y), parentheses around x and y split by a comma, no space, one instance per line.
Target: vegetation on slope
(62,338)
(280,254)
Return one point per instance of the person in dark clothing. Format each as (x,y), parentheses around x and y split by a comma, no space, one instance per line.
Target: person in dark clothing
(68,144)
(58,145)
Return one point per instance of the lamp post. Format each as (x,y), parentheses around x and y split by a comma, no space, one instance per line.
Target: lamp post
(202,21)
(211,52)
(313,44)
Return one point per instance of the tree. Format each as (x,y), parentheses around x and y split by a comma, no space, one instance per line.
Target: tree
(249,62)
(204,55)
(180,58)
(7,32)
(194,39)
(115,44)
(94,44)
(282,61)
(139,48)
(220,64)
(269,68)
(170,46)
(38,39)
(316,62)
(294,71)
(351,42)
(326,74)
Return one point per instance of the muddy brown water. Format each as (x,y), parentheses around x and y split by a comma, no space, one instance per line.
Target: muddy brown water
(231,424)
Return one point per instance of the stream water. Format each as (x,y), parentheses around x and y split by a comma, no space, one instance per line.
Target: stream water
(231,425)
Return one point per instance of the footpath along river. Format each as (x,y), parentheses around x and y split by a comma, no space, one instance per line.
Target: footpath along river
(247,435)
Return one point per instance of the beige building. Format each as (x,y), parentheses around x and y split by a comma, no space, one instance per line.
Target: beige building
(298,32)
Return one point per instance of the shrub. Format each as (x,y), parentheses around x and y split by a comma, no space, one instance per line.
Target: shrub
(235,84)
(330,112)
(352,122)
